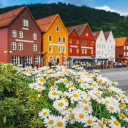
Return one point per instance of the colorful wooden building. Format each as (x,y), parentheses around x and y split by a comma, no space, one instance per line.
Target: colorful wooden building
(121,50)
(81,44)
(20,37)
(54,39)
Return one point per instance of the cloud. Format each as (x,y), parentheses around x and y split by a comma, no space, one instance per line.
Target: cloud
(106,8)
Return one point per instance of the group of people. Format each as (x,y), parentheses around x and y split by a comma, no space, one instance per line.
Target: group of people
(35,66)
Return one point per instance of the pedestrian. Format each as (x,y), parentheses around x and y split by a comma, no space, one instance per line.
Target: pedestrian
(38,65)
(101,65)
(50,64)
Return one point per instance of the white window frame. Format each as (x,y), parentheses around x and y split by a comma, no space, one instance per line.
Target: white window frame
(50,47)
(64,40)
(34,47)
(59,39)
(37,59)
(124,47)
(127,53)
(20,34)
(25,23)
(127,47)
(77,50)
(14,33)
(82,51)
(124,53)
(70,50)
(59,49)
(50,38)
(86,33)
(13,45)
(77,42)
(34,36)
(91,43)
(70,41)
(85,51)
(57,28)
(15,60)
(20,46)
(64,49)
(51,60)
(91,51)
(28,60)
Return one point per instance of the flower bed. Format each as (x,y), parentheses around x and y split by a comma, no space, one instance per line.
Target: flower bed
(65,98)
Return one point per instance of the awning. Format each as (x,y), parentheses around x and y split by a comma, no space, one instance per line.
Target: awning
(101,58)
(81,57)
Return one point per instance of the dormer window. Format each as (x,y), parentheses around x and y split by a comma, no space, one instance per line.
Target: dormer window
(25,23)
(57,28)
(86,33)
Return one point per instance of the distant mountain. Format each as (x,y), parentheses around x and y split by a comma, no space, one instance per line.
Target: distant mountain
(74,15)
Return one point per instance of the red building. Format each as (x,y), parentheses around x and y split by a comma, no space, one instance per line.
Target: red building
(81,44)
(121,50)
(20,37)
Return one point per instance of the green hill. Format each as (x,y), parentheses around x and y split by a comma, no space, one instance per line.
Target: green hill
(74,15)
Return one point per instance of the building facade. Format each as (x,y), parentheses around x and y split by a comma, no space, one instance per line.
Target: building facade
(20,37)
(110,46)
(121,50)
(81,44)
(101,47)
(54,40)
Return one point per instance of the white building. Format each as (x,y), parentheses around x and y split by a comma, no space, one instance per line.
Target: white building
(101,47)
(110,46)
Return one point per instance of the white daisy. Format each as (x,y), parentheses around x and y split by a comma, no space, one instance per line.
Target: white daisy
(40,88)
(44,113)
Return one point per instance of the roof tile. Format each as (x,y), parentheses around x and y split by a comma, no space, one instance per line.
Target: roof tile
(120,41)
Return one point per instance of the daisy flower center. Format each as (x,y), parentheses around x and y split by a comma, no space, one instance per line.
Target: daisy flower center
(39,88)
(111,108)
(54,93)
(65,80)
(41,79)
(60,104)
(81,81)
(101,125)
(106,101)
(54,86)
(60,124)
(62,94)
(97,92)
(101,80)
(51,121)
(70,86)
(85,86)
(89,95)
(34,86)
(44,113)
(116,122)
(75,95)
(81,115)
(29,72)
(90,121)
(71,116)
(85,101)
(41,75)
(94,85)
(86,109)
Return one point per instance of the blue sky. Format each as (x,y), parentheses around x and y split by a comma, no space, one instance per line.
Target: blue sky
(119,6)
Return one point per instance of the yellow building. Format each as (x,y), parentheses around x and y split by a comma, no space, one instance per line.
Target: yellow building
(54,39)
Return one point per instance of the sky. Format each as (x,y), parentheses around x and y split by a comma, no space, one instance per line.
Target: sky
(119,6)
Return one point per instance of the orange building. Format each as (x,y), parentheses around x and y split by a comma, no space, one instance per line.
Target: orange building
(54,40)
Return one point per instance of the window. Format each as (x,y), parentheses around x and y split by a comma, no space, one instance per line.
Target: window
(15,60)
(59,49)
(86,34)
(50,38)
(91,43)
(50,59)
(77,42)
(81,42)
(13,45)
(124,47)
(34,36)
(64,50)
(77,50)
(34,47)
(57,29)
(37,59)
(82,51)
(20,34)
(85,51)
(124,53)
(14,33)
(91,51)
(25,23)
(29,60)
(59,39)
(85,43)
(127,53)
(20,46)
(64,40)
(50,49)
(70,41)
(127,47)
(70,50)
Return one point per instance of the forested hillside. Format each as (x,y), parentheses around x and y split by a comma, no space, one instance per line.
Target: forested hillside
(74,15)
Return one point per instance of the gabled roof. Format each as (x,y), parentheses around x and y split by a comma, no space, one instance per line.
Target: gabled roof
(96,34)
(44,23)
(8,17)
(79,28)
(106,34)
(120,41)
